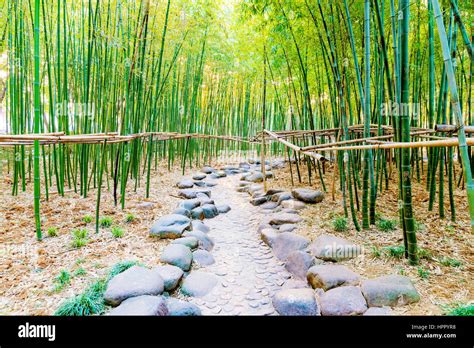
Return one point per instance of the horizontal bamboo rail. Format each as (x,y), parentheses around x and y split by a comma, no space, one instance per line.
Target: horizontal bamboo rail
(451,128)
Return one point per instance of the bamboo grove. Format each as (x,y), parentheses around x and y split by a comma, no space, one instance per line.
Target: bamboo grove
(364,70)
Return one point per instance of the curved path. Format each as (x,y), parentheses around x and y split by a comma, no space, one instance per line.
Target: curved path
(249,272)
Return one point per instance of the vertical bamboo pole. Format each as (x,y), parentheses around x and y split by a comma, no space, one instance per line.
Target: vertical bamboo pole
(262,151)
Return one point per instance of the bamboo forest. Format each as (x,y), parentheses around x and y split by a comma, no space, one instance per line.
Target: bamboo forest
(236,157)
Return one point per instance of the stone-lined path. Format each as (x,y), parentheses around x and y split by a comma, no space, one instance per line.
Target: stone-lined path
(248,272)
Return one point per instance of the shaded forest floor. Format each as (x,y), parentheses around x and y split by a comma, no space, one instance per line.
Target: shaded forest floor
(29,270)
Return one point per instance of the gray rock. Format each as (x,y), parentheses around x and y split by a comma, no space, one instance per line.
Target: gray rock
(142,305)
(296,302)
(135,281)
(269,205)
(199,226)
(287,227)
(284,218)
(211,183)
(263,226)
(254,177)
(145,205)
(298,262)
(210,211)
(220,174)
(207,170)
(181,308)
(199,176)
(182,211)
(330,276)
(287,242)
(222,209)
(190,242)
(203,257)
(198,284)
(200,183)
(391,290)
(204,242)
(259,200)
(184,184)
(308,195)
(292,204)
(191,193)
(295,284)
(189,204)
(267,168)
(268,175)
(281,196)
(332,248)
(177,255)
(244,165)
(197,213)
(269,235)
(170,226)
(171,275)
(345,300)
(378,311)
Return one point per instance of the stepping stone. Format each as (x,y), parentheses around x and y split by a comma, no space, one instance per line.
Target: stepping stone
(182,211)
(220,174)
(268,175)
(269,235)
(269,205)
(298,262)
(287,227)
(292,204)
(200,184)
(204,242)
(181,308)
(199,176)
(210,211)
(190,242)
(142,305)
(391,290)
(289,211)
(184,184)
(189,204)
(281,196)
(211,183)
(177,255)
(378,311)
(330,276)
(135,281)
(203,257)
(345,300)
(171,275)
(284,218)
(295,284)
(308,195)
(207,170)
(197,213)
(222,209)
(170,226)
(244,165)
(263,226)
(199,226)
(254,177)
(190,193)
(259,200)
(145,205)
(199,284)
(287,242)
(332,248)
(296,302)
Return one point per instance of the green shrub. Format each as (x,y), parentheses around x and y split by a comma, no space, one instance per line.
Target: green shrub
(117,232)
(52,232)
(423,273)
(339,224)
(395,251)
(385,225)
(79,238)
(79,233)
(424,254)
(105,221)
(461,310)
(80,272)
(130,217)
(87,219)
(449,262)
(63,279)
(376,252)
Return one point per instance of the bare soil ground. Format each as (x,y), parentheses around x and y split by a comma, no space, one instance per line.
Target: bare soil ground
(28,268)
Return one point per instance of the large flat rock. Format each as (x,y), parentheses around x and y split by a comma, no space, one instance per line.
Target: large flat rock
(177,255)
(135,281)
(287,242)
(142,305)
(203,257)
(308,195)
(170,274)
(332,248)
(191,193)
(198,284)
(345,300)
(296,302)
(330,276)
(298,262)
(170,226)
(392,290)
(181,308)
(284,218)
(204,241)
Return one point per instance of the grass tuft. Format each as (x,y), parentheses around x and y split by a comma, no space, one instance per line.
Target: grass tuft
(63,279)
(105,221)
(339,224)
(449,262)
(87,219)
(386,225)
(129,218)
(395,251)
(52,232)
